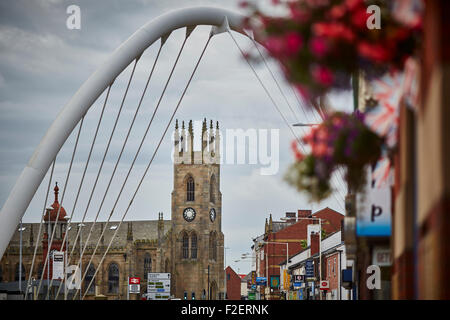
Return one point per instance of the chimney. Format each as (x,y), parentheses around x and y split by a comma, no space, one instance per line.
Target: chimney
(304,213)
(290,217)
(314,243)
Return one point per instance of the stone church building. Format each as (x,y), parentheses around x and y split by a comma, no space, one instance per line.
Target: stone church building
(190,246)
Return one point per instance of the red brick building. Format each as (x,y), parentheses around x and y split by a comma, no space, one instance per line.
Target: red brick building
(233,284)
(290,234)
(332,268)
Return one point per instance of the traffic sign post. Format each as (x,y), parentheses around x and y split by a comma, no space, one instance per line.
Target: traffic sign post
(158,286)
(324,285)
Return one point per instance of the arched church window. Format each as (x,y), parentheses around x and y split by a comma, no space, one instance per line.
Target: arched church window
(212,183)
(88,278)
(190,187)
(194,246)
(113,278)
(147,265)
(212,246)
(185,246)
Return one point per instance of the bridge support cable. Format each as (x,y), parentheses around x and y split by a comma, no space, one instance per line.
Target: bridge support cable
(189,30)
(276,106)
(118,160)
(39,232)
(81,183)
(66,182)
(148,166)
(106,150)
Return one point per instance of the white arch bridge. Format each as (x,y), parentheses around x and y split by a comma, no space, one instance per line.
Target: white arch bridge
(101,82)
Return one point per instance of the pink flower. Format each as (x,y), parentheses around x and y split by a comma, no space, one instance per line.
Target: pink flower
(274,45)
(303,91)
(318,46)
(323,75)
(293,42)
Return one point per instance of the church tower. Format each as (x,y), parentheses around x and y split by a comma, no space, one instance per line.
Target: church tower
(197,238)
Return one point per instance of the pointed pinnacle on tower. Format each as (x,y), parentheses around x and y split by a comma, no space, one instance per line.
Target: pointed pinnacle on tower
(191,131)
(204,125)
(176,124)
(182,125)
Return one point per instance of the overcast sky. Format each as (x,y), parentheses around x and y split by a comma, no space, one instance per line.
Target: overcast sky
(43,63)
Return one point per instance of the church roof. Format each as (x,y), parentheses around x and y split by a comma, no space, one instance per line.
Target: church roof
(142,230)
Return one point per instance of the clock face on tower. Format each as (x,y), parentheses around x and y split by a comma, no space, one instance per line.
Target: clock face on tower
(189,214)
(212,214)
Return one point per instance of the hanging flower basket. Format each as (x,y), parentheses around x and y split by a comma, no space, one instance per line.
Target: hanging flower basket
(320,44)
(342,140)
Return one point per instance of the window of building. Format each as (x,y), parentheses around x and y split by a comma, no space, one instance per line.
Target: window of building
(190,187)
(1,274)
(185,246)
(147,265)
(194,246)
(334,267)
(212,246)
(113,278)
(228,276)
(89,276)
(212,183)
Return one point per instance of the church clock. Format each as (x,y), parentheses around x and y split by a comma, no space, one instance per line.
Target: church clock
(189,214)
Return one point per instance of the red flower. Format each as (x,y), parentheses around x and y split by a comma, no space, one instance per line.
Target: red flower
(378,53)
(323,75)
(359,17)
(293,43)
(333,30)
(318,46)
(337,11)
(243,4)
(353,4)
(298,155)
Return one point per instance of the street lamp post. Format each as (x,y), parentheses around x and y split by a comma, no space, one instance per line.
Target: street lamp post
(225,271)
(20,255)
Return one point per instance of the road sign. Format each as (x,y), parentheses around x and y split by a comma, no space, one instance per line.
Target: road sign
(58,265)
(158,296)
(374,210)
(261,281)
(134,285)
(324,285)
(158,286)
(274,281)
(309,269)
(253,277)
(297,278)
(251,296)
